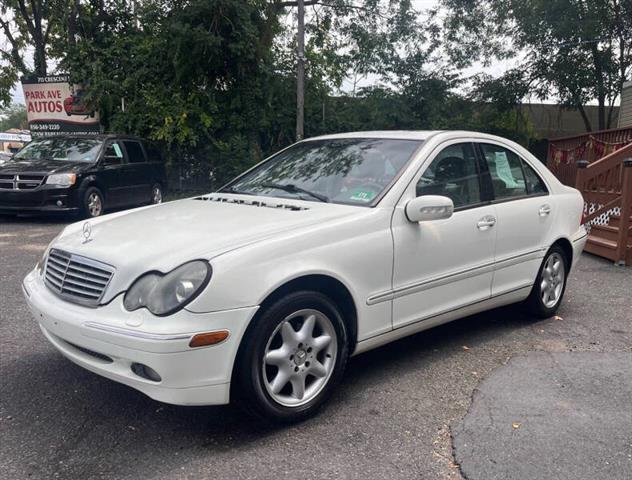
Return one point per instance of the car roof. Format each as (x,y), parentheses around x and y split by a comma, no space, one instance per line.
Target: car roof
(421,135)
(391,134)
(96,136)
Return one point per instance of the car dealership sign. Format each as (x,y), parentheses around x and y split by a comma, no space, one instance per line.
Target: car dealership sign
(55,107)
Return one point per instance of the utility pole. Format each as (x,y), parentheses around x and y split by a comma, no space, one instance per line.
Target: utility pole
(300,71)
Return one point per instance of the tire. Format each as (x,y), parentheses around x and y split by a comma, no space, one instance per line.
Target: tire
(92,203)
(548,290)
(156,194)
(300,358)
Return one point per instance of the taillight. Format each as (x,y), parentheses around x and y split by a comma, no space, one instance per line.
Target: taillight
(582,220)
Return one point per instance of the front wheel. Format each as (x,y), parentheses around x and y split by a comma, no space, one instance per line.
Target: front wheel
(292,357)
(548,290)
(92,204)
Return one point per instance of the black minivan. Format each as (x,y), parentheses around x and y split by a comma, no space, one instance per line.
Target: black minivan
(81,174)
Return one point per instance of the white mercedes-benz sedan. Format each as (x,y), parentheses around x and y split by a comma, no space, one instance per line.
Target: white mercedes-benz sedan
(261,291)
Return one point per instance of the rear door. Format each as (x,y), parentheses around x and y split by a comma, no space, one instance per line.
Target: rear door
(138,172)
(525,212)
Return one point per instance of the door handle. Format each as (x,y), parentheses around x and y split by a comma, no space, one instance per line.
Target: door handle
(544,210)
(488,221)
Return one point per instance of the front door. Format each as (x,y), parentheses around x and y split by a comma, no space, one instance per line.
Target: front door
(443,265)
(525,217)
(112,163)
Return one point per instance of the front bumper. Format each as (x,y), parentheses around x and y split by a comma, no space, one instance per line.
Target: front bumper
(46,198)
(108,340)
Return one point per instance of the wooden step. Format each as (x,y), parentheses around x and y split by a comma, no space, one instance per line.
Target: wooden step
(615,220)
(602,247)
(607,232)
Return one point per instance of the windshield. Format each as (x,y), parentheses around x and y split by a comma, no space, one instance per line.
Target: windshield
(61,149)
(351,171)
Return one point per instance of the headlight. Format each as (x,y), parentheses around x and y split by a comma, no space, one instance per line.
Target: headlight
(62,179)
(164,294)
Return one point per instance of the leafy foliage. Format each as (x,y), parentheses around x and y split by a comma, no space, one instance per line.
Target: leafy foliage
(213,80)
(13,117)
(576,50)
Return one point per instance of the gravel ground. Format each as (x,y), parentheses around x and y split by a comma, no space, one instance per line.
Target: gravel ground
(391,418)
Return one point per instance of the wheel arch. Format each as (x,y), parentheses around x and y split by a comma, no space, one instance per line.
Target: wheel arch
(567,247)
(327,285)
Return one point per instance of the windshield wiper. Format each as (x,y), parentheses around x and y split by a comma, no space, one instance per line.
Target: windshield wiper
(234,190)
(291,188)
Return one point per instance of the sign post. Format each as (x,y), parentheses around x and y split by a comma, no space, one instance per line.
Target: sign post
(55,107)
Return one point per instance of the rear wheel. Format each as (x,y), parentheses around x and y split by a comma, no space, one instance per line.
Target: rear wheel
(292,357)
(548,290)
(92,205)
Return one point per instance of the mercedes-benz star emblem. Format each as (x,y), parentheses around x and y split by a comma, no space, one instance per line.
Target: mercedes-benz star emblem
(87,231)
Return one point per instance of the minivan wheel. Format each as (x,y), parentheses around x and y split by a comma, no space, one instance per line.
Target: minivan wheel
(548,290)
(92,205)
(292,357)
(156,194)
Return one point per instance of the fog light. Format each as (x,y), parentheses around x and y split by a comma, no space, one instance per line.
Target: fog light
(146,372)
(59,203)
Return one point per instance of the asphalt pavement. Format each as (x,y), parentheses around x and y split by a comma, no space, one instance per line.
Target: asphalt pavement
(393,416)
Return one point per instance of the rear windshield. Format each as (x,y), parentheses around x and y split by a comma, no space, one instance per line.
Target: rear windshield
(61,150)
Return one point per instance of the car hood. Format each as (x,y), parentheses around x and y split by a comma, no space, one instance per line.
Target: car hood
(41,166)
(163,237)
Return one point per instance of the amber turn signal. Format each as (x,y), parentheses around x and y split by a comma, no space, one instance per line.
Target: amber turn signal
(208,338)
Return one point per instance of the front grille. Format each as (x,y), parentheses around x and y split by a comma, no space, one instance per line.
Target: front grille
(77,279)
(20,181)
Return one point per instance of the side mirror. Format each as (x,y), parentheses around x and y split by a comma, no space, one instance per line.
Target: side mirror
(429,207)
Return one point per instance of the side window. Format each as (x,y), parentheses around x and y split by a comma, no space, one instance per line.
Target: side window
(113,154)
(535,185)
(454,174)
(505,168)
(153,153)
(134,152)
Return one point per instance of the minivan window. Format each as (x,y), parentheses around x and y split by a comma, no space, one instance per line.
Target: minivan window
(135,152)
(453,174)
(113,154)
(61,150)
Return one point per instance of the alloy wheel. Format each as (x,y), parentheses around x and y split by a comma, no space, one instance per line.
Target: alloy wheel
(299,357)
(552,283)
(95,205)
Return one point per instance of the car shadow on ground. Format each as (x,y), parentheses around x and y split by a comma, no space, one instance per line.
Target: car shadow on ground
(38,219)
(82,412)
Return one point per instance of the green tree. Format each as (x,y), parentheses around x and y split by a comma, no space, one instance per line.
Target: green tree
(13,117)
(31,30)
(576,50)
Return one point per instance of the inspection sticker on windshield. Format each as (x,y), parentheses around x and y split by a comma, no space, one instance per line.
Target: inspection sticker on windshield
(363,196)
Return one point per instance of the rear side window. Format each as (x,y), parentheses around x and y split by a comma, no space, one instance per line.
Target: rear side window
(135,152)
(511,176)
(454,174)
(535,185)
(505,169)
